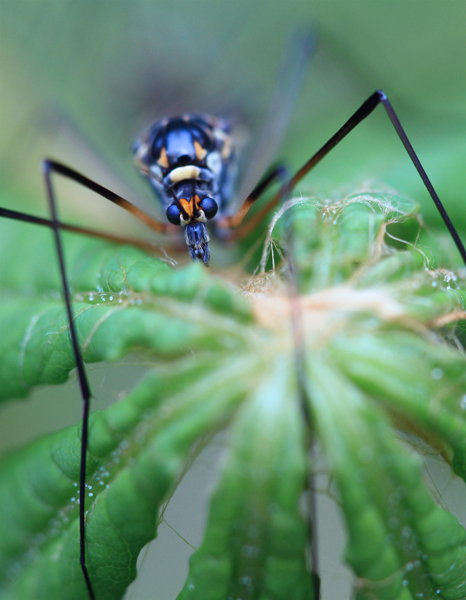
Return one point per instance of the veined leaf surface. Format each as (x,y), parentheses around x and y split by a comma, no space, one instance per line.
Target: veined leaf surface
(369,310)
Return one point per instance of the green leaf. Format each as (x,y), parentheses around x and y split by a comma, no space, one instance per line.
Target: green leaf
(400,543)
(256,537)
(370,307)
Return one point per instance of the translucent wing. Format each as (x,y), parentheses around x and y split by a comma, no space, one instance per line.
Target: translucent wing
(299,50)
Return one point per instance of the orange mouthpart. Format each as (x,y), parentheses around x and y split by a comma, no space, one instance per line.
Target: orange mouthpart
(191,206)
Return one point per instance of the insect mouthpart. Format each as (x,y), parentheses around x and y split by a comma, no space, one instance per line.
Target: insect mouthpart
(193,214)
(197,239)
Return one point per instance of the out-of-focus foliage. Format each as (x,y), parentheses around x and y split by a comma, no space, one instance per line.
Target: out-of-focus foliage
(107,69)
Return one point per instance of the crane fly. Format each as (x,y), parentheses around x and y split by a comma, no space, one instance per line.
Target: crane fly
(190,161)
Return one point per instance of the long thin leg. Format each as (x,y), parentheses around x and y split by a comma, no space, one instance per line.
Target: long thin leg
(56,167)
(113,237)
(278,173)
(364,111)
(82,376)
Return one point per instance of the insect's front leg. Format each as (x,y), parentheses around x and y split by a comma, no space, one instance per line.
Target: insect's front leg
(278,173)
(378,97)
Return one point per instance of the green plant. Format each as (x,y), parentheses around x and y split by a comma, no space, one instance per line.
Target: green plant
(372,308)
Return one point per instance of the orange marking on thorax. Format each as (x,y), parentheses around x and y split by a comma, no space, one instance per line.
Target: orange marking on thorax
(163,160)
(200,151)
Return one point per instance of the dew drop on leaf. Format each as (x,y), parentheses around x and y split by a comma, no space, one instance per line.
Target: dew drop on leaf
(437,373)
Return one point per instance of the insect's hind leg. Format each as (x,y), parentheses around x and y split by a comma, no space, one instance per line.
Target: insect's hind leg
(82,376)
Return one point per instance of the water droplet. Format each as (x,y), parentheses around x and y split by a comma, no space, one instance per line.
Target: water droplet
(463,402)
(111,298)
(409,566)
(250,551)
(91,297)
(246,581)
(191,587)
(437,373)
(406,531)
(405,582)
(434,284)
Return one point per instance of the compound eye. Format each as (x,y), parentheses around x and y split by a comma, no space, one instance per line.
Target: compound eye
(209,206)
(174,214)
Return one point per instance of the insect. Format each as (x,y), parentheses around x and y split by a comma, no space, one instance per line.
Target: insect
(190,162)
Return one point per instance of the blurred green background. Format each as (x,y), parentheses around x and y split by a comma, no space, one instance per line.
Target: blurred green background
(80,79)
